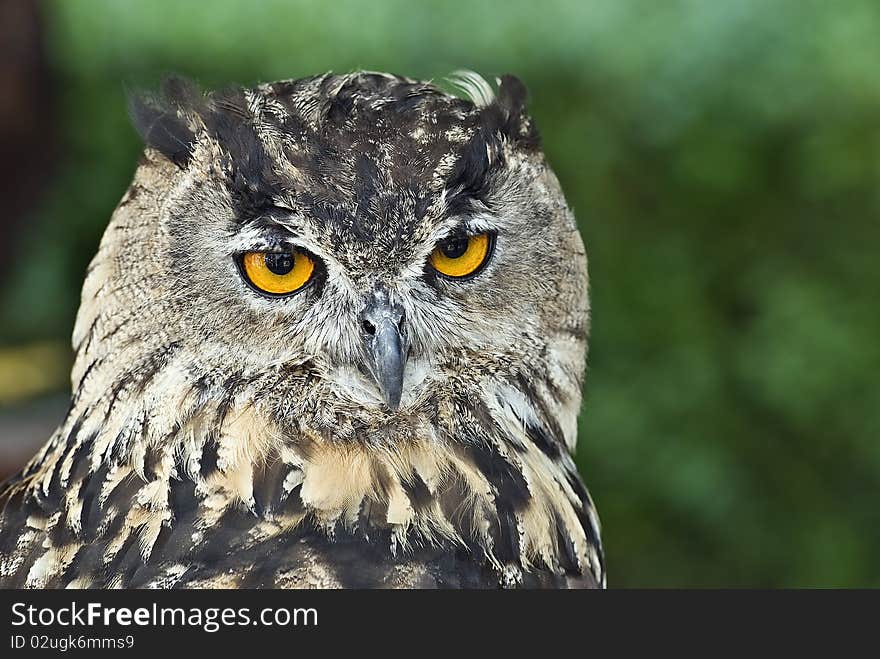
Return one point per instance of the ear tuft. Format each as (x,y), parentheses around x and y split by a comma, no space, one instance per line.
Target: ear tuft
(161,121)
(507,116)
(512,95)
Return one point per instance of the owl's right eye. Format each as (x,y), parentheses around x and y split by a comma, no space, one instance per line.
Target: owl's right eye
(277,273)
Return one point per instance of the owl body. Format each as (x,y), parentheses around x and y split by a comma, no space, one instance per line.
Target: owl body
(334,336)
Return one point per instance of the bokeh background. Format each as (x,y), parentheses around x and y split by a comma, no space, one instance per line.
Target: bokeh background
(723,159)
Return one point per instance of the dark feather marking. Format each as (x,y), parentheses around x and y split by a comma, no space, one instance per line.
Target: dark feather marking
(470,179)
(91,509)
(86,343)
(250,178)
(578,331)
(417,491)
(118,449)
(208,465)
(154,363)
(120,384)
(364,525)
(120,499)
(549,445)
(88,561)
(230,386)
(291,503)
(568,557)
(510,484)
(144,572)
(13,520)
(50,502)
(554,431)
(507,548)
(482,155)
(478,408)
(592,533)
(176,544)
(268,485)
(508,113)
(115,330)
(584,519)
(511,496)
(128,559)
(78,392)
(158,120)
(153,461)
(60,534)
(79,478)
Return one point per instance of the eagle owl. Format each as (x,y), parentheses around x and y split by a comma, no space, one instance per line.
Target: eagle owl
(334,336)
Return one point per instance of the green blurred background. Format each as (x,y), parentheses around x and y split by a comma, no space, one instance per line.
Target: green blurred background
(723,159)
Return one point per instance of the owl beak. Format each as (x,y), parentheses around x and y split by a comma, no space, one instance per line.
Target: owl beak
(386,345)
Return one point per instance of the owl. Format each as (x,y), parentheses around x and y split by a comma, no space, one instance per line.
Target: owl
(334,336)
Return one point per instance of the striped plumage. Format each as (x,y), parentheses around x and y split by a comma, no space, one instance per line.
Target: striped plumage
(219,437)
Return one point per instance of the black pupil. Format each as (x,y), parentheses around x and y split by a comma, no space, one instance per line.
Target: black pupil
(454,248)
(280,264)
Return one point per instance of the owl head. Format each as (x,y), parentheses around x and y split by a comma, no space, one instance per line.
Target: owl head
(357,287)
(388,242)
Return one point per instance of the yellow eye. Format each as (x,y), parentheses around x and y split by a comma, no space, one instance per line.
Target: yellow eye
(276,273)
(461,256)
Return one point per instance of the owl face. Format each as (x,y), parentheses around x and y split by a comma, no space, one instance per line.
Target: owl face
(393,240)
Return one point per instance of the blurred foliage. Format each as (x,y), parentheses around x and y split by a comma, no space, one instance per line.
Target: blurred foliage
(32,370)
(723,159)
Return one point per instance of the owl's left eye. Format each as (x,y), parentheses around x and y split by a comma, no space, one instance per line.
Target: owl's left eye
(461,256)
(278,273)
